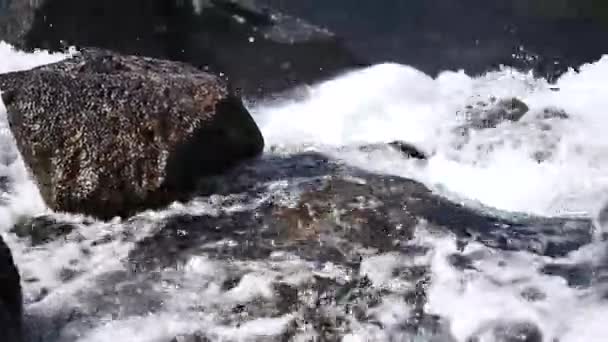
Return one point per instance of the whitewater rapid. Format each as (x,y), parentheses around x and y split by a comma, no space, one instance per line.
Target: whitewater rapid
(383,103)
(395,102)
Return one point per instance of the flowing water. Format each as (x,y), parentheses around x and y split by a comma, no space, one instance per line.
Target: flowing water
(78,287)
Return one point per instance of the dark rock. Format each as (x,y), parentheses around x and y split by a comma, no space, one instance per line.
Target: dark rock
(131,27)
(343,211)
(262,51)
(577,275)
(409,150)
(533,294)
(107,134)
(504,331)
(326,227)
(491,116)
(518,332)
(190,338)
(11,306)
(41,229)
(552,113)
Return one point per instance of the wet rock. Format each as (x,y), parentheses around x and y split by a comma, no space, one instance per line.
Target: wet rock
(313,237)
(338,213)
(190,338)
(281,51)
(552,113)
(518,332)
(577,275)
(132,27)
(490,116)
(508,332)
(533,294)
(261,50)
(409,150)
(108,135)
(11,307)
(41,229)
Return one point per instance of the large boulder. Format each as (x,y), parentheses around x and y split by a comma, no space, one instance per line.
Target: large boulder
(11,307)
(262,51)
(107,134)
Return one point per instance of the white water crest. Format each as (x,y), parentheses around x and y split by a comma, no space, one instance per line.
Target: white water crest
(378,104)
(395,102)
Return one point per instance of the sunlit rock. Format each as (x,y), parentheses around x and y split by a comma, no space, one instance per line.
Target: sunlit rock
(107,134)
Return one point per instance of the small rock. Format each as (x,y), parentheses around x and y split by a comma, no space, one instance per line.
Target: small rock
(252,51)
(189,338)
(518,332)
(511,109)
(409,150)
(533,294)
(41,229)
(551,112)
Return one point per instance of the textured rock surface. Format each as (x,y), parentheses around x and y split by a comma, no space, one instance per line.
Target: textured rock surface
(10,297)
(261,51)
(107,135)
(301,237)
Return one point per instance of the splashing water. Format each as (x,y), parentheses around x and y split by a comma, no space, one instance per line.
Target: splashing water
(495,168)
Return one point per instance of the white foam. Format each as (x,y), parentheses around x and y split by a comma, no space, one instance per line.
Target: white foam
(475,299)
(12,59)
(394,102)
(25,198)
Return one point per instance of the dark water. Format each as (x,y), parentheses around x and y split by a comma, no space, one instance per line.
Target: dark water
(435,35)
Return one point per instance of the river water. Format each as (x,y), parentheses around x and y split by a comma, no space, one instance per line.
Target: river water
(496,170)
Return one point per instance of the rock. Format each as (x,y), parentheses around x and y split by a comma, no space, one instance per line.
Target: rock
(281,51)
(307,237)
(409,150)
(344,211)
(107,134)
(518,332)
(262,51)
(552,113)
(11,307)
(490,116)
(41,229)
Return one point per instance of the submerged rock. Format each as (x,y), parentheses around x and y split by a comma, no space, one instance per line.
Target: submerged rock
(409,150)
(406,149)
(260,50)
(491,115)
(343,210)
(302,243)
(510,332)
(11,307)
(107,134)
